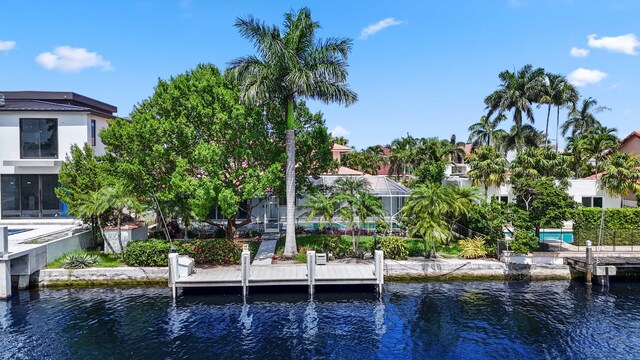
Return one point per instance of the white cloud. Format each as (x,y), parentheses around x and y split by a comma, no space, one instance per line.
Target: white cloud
(625,44)
(7,45)
(578,52)
(379,26)
(583,77)
(340,131)
(69,59)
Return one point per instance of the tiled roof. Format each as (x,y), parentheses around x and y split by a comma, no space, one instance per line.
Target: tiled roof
(338,147)
(343,170)
(635,133)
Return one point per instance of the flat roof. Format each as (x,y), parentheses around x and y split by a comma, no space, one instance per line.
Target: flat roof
(62,97)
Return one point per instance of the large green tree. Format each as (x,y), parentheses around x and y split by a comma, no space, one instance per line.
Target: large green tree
(195,145)
(583,119)
(291,64)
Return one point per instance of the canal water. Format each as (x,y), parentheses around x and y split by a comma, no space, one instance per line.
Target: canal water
(461,320)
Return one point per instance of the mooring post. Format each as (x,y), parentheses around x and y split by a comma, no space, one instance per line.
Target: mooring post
(244,273)
(5,268)
(311,270)
(378,261)
(174,274)
(589,264)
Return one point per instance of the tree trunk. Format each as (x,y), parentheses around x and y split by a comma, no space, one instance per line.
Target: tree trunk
(290,248)
(120,236)
(557,127)
(106,241)
(546,130)
(230,231)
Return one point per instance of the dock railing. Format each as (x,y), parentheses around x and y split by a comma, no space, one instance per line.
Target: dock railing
(617,240)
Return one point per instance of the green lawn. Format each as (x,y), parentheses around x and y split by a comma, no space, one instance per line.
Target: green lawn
(415,246)
(104,260)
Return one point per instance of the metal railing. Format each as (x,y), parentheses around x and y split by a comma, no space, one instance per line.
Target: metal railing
(618,240)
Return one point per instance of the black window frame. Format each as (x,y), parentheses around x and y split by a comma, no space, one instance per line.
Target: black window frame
(42,211)
(57,143)
(592,201)
(93,132)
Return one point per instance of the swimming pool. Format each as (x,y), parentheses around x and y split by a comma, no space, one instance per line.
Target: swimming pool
(553,235)
(17,231)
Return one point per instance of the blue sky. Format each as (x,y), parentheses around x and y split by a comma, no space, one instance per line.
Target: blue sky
(423,67)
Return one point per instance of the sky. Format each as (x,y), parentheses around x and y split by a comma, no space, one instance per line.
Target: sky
(419,67)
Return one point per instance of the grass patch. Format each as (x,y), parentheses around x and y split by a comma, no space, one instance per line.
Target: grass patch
(415,246)
(104,260)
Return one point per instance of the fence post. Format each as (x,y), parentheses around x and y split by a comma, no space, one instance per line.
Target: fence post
(378,260)
(589,263)
(311,270)
(244,271)
(174,274)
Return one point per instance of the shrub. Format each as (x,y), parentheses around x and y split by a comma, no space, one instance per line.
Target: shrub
(79,261)
(473,248)
(523,242)
(152,252)
(212,251)
(622,226)
(394,247)
(333,244)
(301,256)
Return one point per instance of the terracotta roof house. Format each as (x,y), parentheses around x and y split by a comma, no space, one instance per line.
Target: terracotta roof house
(631,144)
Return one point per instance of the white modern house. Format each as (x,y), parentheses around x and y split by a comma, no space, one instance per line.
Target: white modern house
(587,191)
(37,129)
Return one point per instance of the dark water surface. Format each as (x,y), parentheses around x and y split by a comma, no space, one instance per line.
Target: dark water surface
(510,320)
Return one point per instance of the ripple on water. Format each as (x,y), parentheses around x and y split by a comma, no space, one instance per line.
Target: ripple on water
(553,320)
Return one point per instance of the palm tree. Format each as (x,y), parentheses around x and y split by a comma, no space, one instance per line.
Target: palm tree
(541,162)
(521,137)
(401,150)
(292,64)
(320,204)
(551,93)
(427,208)
(488,167)
(596,144)
(482,132)
(346,192)
(583,119)
(368,206)
(568,95)
(93,204)
(463,199)
(574,151)
(517,91)
(622,175)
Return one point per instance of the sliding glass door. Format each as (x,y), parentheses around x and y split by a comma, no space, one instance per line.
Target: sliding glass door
(29,196)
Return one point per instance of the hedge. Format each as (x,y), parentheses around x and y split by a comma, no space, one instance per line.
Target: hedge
(155,252)
(622,226)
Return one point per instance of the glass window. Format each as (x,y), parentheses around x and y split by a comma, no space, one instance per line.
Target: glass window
(586,201)
(93,132)
(10,196)
(39,138)
(29,196)
(50,202)
(597,201)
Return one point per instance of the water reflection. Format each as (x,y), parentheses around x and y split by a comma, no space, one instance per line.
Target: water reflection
(433,320)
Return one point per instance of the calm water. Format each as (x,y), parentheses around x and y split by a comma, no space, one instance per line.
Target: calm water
(554,320)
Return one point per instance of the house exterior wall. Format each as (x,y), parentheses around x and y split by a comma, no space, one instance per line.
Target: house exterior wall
(578,188)
(73,128)
(631,146)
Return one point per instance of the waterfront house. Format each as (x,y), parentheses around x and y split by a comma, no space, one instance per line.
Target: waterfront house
(37,130)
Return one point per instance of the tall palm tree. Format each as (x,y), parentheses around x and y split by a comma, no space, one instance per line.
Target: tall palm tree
(583,119)
(518,91)
(551,93)
(541,162)
(568,95)
(488,167)
(482,132)
(622,175)
(292,64)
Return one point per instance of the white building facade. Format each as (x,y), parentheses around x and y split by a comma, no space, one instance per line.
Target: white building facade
(37,130)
